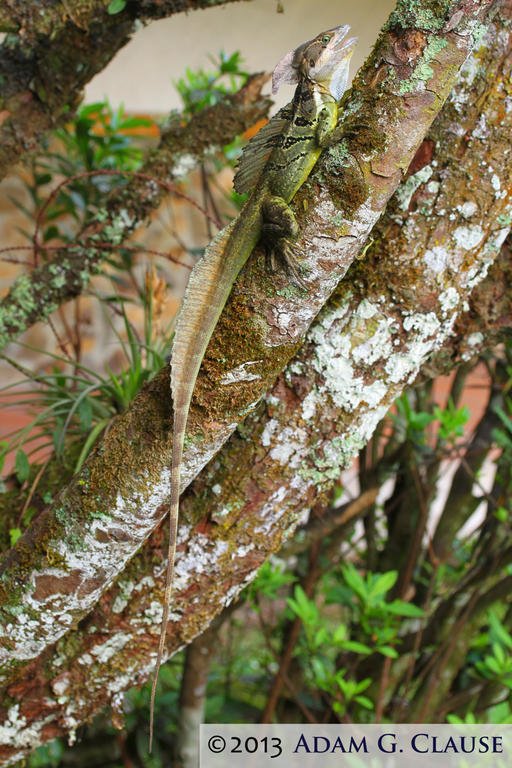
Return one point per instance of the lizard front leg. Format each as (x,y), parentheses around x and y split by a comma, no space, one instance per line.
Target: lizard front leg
(278,232)
(327,122)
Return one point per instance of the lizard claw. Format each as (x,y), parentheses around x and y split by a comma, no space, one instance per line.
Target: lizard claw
(288,251)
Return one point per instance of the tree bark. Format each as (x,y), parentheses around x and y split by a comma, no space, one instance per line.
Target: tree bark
(250,498)
(34,297)
(57,50)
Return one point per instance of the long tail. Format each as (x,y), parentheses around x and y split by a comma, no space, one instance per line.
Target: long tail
(207,291)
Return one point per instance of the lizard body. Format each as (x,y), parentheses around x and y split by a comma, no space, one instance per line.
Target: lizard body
(274,165)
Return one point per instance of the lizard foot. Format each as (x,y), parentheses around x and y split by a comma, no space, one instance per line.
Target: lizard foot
(287,250)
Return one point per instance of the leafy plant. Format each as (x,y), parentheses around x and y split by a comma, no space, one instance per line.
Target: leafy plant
(81,405)
(98,138)
(200,89)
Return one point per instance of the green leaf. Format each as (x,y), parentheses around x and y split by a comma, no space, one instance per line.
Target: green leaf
(386,650)
(499,630)
(499,654)
(85,414)
(340,634)
(90,442)
(364,702)
(400,608)
(14,533)
(356,647)
(383,584)
(492,665)
(135,122)
(355,582)
(22,466)
(116,6)
(50,233)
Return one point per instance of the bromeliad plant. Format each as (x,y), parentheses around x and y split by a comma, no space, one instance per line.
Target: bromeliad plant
(72,404)
(76,408)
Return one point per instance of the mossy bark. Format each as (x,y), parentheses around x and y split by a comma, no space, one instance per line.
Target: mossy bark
(54,50)
(283,457)
(33,297)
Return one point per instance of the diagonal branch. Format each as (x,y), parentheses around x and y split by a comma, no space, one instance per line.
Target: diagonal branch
(57,50)
(251,498)
(35,296)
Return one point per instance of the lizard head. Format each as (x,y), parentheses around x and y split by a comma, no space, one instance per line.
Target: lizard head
(324,60)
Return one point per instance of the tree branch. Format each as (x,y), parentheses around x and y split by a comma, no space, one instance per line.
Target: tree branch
(34,297)
(58,50)
(251,498)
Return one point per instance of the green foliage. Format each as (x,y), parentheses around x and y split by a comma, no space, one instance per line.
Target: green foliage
(116,6)
(270,581)
(47,756)
(374,625)
(497,662)
(81,405)
(452,421)
(98,138)
(200,89)
(410,424)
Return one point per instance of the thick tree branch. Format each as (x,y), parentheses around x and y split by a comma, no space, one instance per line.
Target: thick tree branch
(253,496)
(58,49)
(35,296)
(46,563)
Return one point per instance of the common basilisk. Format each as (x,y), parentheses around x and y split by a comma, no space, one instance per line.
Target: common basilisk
(273,165)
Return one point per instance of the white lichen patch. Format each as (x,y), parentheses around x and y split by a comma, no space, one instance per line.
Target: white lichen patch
(337,351)
(202,556)
(482,129)
(407,189)
(243,551)
(240,374)
(475,338)
(183,164)
(310,403)
(377,346)
(468,237)
(427,324)
(448,300)
(110,647)
(271,511)
(15,733)
(289,447)
(468,209)
(436,258)
(269,430)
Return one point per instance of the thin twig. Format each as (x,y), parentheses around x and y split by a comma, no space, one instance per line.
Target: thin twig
(62,344)
(305,711)
(32,491)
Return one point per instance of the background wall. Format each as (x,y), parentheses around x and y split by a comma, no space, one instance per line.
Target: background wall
(141,74)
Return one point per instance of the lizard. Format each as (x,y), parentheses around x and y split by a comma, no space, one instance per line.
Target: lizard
(273,166)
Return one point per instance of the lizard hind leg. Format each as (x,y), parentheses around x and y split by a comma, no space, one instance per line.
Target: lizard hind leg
(278,232)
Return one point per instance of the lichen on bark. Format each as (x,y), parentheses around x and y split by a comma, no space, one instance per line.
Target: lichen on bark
(261,488)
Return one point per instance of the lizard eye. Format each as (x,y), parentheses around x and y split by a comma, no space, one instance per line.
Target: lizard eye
(326,39)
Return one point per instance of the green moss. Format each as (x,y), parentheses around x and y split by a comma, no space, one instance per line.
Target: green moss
(423,70)
(348,190)
(429,15)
